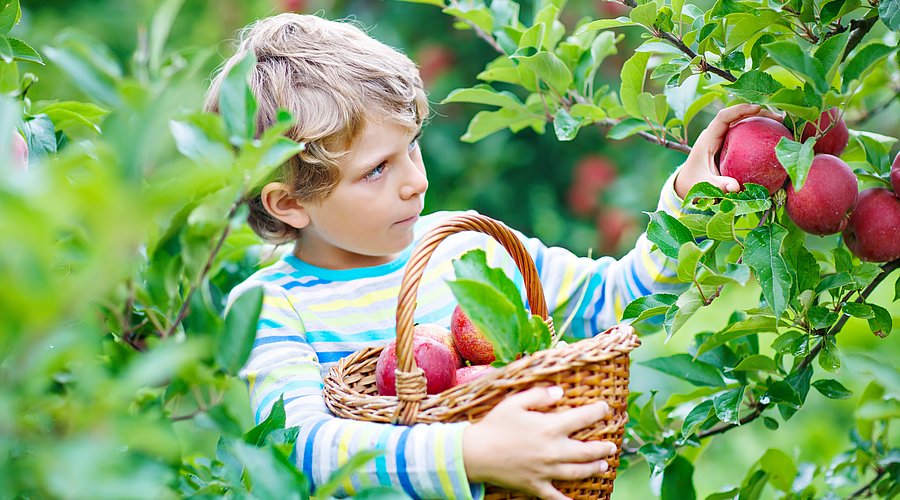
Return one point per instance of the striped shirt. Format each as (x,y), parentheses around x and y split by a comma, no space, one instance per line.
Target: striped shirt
(312,317)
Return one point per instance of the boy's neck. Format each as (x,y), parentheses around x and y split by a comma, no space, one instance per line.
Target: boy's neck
(338,260)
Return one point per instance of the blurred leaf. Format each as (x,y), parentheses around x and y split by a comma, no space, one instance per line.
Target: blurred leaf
(603,24)
(81,63)
(236,102)
(274,421)
(683,366)
(762,252)
(862,61)
(486,123)
(21,51)
(236,341)
(889,12)
(678,478)
(832,389)
(162,22)
(343,473)
(40,136)
(9,16)
(728,405)
(193,142)
(780,467)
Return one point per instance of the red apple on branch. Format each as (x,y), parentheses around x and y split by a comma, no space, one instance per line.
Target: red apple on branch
(835,140)
(828,197)
(873,233)
(748,152)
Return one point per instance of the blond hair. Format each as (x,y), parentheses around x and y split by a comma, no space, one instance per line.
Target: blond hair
(332,77)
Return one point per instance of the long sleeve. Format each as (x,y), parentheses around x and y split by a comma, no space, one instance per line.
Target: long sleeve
(425,461)
(596,291)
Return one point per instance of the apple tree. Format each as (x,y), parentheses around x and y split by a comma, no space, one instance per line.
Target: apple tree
(814,245)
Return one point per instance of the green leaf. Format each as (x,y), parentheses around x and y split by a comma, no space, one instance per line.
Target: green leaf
(648,306)
(9,16)
(882,323)
(702,102)
(683,366)
(889,12)
(780,468)
(627,128)
(821,317)
(21,51)
(687,304)
(484,94)
(351,466)
(728,405)
(236,102)
(858,310)
(193,142)
(833,281)
(678,478)
(752,324)
(829,53)
(804,267)
(697,416)
(486,123)
(667,233)
(439,3)
(756,362)
(784,341)
(804,103)
(236,340)
(865,58)
(274,421)
(565,125)
(644,14)
(632,77)
(653,107)
(783,392)
(755,87)
(830,355)
(604,24)
(549,68)
(738,274)
(790,56)
(721,226)
(762,252)
(832,389)
(702,191)
(480,17)
(688,257)
(657,456)
(796,158)
(754,198)
(40,136)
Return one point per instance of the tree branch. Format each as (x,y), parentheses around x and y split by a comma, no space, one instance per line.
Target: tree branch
(182,313)
(866,489)
(878,109)
(805,362)
(859,29)
(704,65)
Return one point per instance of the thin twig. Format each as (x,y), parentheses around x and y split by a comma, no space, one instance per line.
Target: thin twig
(704,64)
(866,489)
(869,114)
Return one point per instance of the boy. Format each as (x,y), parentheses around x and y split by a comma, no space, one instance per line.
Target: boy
(351,203)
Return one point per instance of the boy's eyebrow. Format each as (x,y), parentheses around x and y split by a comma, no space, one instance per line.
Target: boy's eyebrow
(380,158)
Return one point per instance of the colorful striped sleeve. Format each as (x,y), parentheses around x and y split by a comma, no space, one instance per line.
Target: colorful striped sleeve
(424,461)
(595,292)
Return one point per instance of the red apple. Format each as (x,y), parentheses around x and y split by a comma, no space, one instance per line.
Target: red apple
(748,152)
(434,61)
(895,175)
(442,335)
(469,340)
(613,224)
(433,357)
(873,233)
(470,373)
(828,197)
(835,140)
(19,152)
(592,175)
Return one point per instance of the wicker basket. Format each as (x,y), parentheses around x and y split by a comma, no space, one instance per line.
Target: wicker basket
(590,370)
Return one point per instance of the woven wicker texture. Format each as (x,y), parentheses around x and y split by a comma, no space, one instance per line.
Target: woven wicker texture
(590,370)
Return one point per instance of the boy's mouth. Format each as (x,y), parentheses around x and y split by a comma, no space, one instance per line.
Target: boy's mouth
(408,220)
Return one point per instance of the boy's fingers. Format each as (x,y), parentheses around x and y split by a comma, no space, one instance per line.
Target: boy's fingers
(581,417)
(586,451)
(533,399)
(725,183)
(546,491)
(571,472)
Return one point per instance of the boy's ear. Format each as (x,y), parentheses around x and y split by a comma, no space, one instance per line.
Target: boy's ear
(278,200)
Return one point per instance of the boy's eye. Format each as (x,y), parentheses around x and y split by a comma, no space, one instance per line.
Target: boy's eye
(375,173)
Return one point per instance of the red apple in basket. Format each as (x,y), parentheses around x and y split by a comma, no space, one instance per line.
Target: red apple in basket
(442,335)
(433,357)
(469,340)
(470,373)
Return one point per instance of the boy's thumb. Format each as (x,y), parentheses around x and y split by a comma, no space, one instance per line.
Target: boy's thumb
(535,398)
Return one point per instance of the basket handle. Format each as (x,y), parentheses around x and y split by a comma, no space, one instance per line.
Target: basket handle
(410,379)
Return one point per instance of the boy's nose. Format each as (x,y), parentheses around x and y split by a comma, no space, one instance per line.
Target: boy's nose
(415,182)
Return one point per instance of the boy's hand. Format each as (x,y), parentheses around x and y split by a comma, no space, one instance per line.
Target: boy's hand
(701,163)
(520,447)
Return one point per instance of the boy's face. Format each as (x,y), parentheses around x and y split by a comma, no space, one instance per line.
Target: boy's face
(369,217)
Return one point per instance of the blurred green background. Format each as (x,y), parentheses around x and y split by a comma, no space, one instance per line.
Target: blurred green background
(587,195)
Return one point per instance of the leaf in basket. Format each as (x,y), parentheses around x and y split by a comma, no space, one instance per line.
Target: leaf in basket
(473,266)
(540,337)
(493,314)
